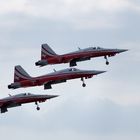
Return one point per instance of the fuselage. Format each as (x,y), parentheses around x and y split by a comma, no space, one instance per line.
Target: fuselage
(18,100)
(23,98)
(83,54)
(58,76)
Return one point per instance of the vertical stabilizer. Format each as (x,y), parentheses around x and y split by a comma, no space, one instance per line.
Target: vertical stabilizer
(46,52)
(20,74)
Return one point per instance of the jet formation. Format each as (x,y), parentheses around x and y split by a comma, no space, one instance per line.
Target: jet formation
(48,57)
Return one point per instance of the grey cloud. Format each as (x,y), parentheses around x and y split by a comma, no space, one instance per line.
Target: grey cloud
(92,118)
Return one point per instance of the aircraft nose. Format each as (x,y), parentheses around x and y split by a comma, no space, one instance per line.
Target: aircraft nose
(122,50)
(97,72)
(100,72)
(51,96)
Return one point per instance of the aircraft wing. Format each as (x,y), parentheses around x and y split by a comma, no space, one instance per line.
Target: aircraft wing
(1,103)
(48,84)
(8,104)
(74,60)
(4,105)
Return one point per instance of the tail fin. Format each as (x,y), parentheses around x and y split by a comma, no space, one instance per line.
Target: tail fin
(46,52)
(20,74)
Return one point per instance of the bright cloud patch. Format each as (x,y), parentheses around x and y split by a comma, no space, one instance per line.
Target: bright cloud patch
(81,14)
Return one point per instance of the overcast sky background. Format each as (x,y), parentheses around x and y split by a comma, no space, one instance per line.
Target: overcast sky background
(109,107)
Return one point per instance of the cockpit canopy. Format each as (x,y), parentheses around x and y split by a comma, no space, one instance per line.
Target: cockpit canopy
(24,94)
(66,70)
(97,48)
(73,69)
(92,48)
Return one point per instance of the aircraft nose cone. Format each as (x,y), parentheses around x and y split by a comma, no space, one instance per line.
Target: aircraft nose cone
(122,50)
(52,96)
(97,72)
(100,72)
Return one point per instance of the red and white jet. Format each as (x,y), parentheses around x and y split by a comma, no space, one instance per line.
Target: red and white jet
(18,100)
(23,79)
(49,57)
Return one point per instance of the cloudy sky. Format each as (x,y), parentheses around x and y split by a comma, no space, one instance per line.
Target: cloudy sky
(109,107)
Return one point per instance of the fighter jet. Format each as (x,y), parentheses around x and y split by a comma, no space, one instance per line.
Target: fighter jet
(49,57)
(23,79)
(18,100)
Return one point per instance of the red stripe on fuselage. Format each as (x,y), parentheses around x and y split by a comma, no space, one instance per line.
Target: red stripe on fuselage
(85,54)
(38,81)
(22,100)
